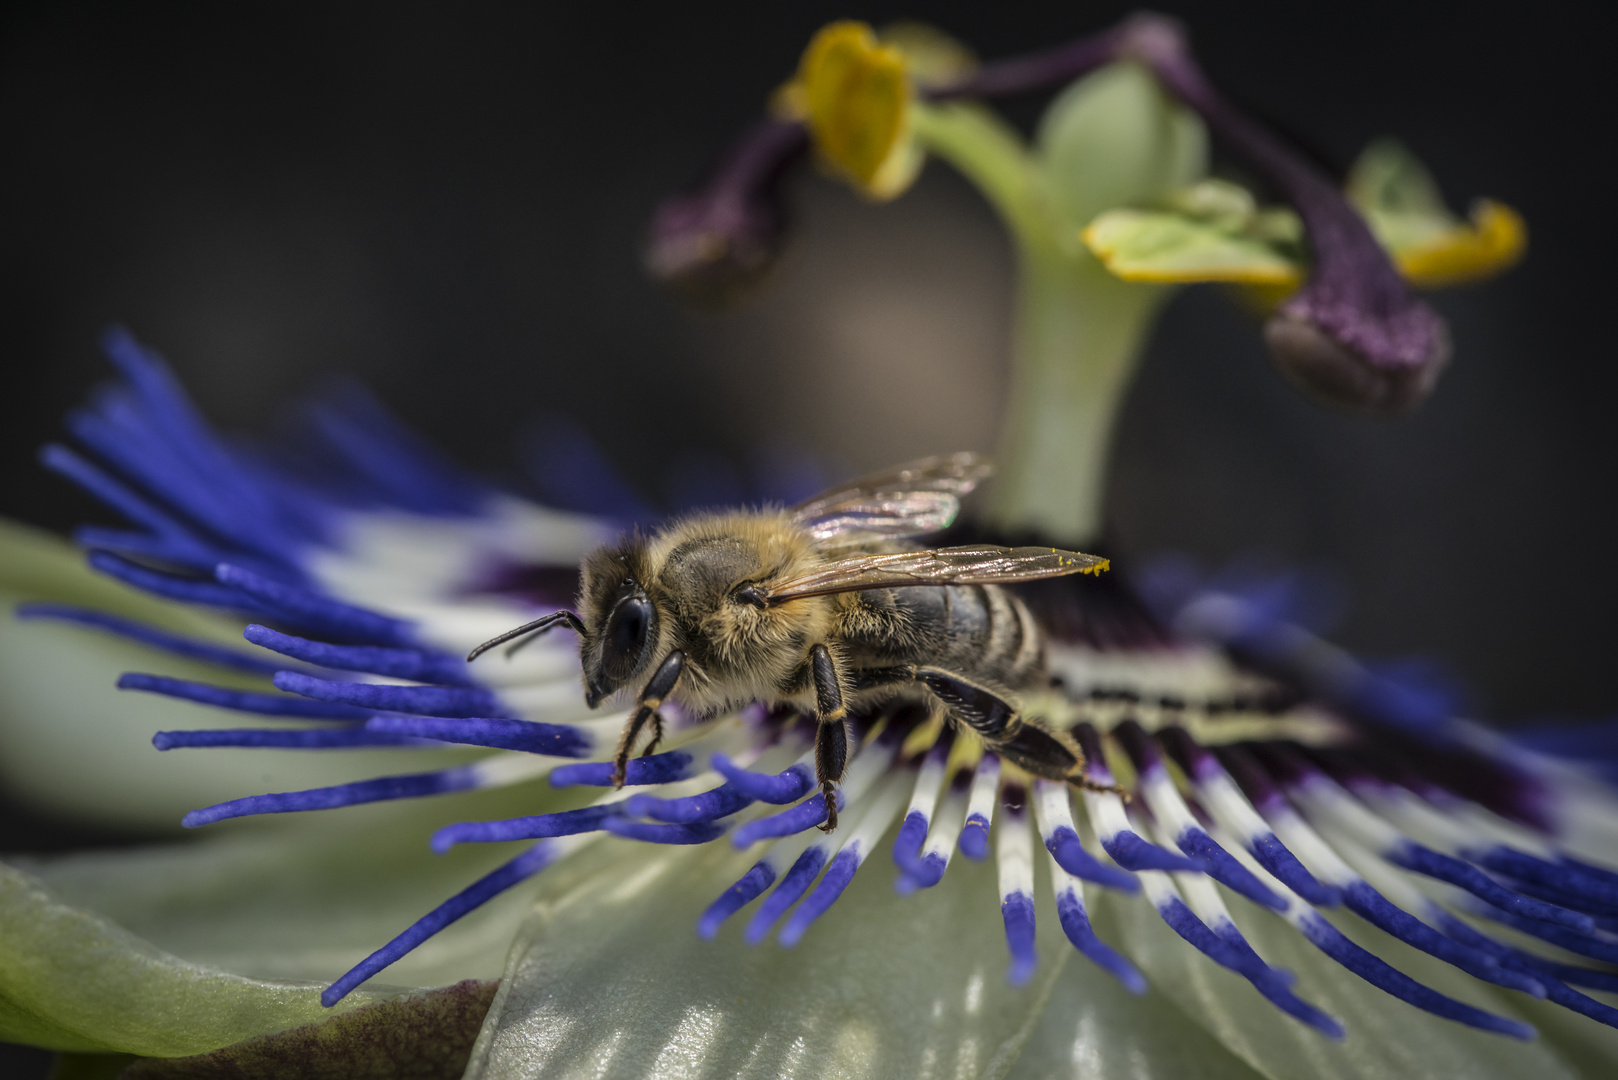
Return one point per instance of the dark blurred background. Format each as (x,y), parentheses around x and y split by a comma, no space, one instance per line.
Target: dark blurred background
(446,202)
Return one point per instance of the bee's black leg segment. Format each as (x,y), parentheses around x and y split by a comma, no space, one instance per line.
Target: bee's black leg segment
(1041,752)
(660,685)
(983,710)
(526,632)
(831,739)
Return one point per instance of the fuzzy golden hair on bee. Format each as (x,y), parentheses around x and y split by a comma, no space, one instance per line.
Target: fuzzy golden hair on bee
(828,607)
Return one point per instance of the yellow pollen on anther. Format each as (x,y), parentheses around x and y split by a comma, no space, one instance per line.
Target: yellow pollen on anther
(1493,240)
(855,95)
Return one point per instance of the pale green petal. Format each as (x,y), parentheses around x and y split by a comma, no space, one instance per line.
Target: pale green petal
(72,981)
(1117,138)
(1166,247)
(312,895)
(75,745)
(611,979)
(1590,1048)
(1387,1039)
(1094,1029)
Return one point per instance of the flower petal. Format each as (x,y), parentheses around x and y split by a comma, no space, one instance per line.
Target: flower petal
(1385,1038)
(1095,1029)
(306,899)
(70,980)
(611,979)
(73,744)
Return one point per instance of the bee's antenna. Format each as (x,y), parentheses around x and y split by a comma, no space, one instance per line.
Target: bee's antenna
(538,626)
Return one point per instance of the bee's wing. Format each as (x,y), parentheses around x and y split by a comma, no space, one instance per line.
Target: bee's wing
(908,500)
(972,565)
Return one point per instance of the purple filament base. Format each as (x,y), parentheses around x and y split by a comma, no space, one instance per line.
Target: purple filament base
(747,888)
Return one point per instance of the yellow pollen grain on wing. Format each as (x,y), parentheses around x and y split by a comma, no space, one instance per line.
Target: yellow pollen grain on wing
(1492,241)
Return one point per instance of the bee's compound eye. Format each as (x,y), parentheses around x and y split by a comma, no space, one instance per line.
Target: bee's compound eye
(625,639)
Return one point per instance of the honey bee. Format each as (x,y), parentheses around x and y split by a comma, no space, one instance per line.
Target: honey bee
(824,606)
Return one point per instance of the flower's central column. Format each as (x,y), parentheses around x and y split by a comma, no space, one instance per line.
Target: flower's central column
(1078,334)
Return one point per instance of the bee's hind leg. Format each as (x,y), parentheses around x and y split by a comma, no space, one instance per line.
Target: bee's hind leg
(1024,741)
(831,738)
(657,688)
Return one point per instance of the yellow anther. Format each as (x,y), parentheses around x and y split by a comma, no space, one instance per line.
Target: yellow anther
(1493,240)
(855,94)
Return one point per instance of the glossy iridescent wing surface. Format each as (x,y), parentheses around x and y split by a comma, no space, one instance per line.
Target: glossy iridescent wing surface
(972,565)
(920,497)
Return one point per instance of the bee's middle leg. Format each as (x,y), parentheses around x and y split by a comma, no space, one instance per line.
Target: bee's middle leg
(658,687)
(831,738)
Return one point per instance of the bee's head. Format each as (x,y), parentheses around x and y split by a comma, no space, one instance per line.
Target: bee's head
(621,621)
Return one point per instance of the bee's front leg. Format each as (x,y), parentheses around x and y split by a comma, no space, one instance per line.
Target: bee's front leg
(658,687)
(831,738)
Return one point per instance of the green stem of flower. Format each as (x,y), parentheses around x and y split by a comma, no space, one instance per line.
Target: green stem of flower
(1078,336)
